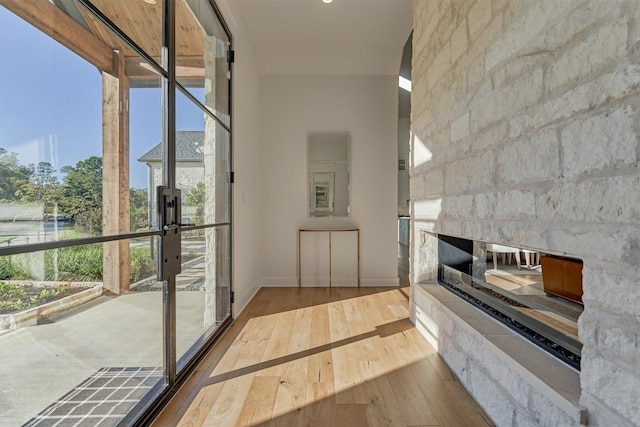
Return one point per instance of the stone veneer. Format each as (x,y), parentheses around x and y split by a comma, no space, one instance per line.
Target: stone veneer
(525,130)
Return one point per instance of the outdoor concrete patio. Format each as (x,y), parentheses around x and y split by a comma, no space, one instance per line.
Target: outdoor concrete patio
(39,364)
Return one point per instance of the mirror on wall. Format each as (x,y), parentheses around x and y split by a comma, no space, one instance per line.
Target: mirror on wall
(328,173)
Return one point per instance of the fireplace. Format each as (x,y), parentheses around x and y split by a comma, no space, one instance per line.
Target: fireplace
(517,286)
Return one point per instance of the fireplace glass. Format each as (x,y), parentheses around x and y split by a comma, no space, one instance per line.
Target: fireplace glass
(537,294)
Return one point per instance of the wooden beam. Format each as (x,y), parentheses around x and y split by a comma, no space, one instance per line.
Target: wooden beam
(186,66)
(115,177)
(52,21)
(189,71)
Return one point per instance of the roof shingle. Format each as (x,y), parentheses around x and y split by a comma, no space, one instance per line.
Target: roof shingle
(189,148)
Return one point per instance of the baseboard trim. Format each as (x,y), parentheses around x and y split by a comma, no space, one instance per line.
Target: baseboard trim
(380,281)
(242,302)
(276,282)
(310,282)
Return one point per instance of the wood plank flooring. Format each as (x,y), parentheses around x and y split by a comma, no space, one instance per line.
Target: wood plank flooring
(310,357)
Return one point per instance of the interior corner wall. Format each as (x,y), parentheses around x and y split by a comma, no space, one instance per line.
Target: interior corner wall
(292,106)
(404,135)
(526,132)
(246,161)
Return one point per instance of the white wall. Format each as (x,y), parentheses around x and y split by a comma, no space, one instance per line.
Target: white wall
(246,162)
(366,108)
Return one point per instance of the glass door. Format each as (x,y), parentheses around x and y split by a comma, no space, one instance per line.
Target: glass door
(202,172)
(115,204)
(203,284)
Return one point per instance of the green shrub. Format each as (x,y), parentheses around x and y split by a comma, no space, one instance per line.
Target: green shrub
(14,268)
(141,263)
(6,269)
(48,293)
(14,297)
(77,263)
(69,234)
(11,292)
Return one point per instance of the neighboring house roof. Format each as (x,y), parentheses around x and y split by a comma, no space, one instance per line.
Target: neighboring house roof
(189,148)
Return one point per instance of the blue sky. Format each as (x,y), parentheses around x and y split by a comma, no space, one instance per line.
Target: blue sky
(51,103)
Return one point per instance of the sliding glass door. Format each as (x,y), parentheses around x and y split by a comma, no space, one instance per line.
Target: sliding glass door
(115,204)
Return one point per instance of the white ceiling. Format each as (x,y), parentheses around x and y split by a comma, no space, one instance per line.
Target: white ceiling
(344,37)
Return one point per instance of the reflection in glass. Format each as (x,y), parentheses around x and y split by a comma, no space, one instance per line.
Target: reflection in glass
(201,63)
(81,334)
(191,173)
(53,155)
(202,165)
(145,139)
(217,163)
(202,288)
(536,293)
(139,20)
(81,153)
(146,152)
(50,172)
(328,169)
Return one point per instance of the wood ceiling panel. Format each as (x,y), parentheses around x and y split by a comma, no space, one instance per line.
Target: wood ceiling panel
(142,22)
(189,33)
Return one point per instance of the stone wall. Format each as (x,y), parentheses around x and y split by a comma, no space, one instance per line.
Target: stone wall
(525,130)
(477,348)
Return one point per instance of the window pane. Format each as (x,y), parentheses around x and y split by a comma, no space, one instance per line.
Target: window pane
(81,336)
(50,151)
(217,167)
(140,20)
(146,153)
(201,62)
(62,173)
(202,288)
(202,164)
(81,153)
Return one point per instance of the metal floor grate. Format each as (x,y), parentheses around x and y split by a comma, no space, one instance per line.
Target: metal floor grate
(103,399)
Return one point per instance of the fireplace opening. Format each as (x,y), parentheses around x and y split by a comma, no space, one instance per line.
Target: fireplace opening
(538,295)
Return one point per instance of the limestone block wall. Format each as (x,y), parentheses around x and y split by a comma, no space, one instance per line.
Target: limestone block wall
(525,130)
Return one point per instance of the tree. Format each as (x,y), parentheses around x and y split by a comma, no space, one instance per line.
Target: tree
(43,187)
(43,175)
(82,194)
(12,175)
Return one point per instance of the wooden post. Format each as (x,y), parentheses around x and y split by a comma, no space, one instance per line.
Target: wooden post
(115,176)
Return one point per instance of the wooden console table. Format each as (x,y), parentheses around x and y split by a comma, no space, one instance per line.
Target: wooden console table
(329,231)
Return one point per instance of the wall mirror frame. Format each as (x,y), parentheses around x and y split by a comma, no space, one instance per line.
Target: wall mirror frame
(328,174)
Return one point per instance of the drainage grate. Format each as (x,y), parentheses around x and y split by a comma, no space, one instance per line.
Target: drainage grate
(103,399)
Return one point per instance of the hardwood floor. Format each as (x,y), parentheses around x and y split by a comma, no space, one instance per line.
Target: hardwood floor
(307,357)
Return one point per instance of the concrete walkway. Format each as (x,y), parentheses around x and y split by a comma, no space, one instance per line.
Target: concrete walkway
(40,364)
